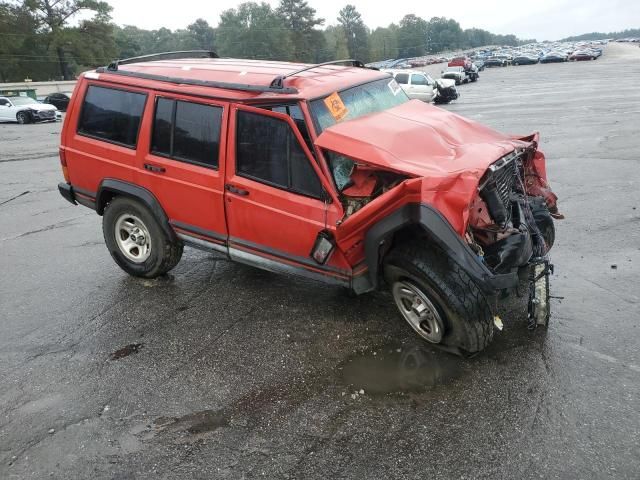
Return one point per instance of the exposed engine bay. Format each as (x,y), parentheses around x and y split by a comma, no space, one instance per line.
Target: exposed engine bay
(510,224)
(359,184)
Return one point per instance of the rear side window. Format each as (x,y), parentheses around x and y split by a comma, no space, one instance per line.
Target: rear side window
(187,131)
(402,78)
(112,115)
(267,151)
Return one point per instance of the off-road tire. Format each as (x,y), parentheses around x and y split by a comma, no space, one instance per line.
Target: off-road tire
(465,312)
(165,253)
(23,118)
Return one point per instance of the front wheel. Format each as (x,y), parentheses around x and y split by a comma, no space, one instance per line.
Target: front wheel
(437,298)
(23,118)
(136,241)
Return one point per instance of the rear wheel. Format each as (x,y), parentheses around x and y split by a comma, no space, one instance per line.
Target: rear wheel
(23,118)
(136,241)
(437,298)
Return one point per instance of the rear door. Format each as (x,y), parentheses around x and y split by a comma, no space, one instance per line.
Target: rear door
(182,164)
(275,197)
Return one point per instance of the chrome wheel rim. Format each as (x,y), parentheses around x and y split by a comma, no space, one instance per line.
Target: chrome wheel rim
(418,311)
(132,238)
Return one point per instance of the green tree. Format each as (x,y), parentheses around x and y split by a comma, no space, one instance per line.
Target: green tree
(53,17)
(300,19)
(253,30)
(336,42)
(204,36)
(412,36)
(443,34)
(355,31)
(383,43)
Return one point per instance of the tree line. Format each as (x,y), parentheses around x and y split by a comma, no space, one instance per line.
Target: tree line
(42,39)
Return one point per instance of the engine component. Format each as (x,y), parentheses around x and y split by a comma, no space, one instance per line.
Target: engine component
(512,251)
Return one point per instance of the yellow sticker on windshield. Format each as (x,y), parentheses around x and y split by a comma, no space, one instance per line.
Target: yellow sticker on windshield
(336,106)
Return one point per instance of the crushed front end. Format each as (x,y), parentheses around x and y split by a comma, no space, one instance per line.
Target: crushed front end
(511,223)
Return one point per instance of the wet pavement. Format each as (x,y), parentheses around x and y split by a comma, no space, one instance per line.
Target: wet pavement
(223,371)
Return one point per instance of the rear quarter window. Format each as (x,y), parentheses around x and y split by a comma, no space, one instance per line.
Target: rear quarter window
(112,115)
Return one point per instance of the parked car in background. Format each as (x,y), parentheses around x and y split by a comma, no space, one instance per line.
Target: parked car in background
(445,91)
(25,110)
(416,85)
(525,60)
(479,62)
(553,57)
(457,74)
(59,99)
(464,62)
(495,62)
(580,55)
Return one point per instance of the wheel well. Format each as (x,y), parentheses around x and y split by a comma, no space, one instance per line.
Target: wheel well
(402,236)
(105,197)
(112,188)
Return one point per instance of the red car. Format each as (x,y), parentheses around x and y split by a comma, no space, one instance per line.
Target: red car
(581,55)
(325,171)
(464,62)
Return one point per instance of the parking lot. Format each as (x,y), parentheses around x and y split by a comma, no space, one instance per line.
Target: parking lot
(219,370)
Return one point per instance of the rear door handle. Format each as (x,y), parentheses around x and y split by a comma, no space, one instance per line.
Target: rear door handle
(236,190)
(154,168)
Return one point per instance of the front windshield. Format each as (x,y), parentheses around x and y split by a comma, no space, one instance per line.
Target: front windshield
(19,101)
(357,101)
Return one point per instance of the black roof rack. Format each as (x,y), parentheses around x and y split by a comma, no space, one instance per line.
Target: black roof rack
(276,86)
(200,83)
(182,54)
(278,82)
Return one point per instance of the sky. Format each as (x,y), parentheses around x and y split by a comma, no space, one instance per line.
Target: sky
(539,19)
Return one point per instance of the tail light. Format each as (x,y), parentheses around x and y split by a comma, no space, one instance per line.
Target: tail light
(63,163)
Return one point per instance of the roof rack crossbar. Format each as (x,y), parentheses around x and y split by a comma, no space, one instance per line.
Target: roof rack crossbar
(278,82)
(199,83)
(181,54)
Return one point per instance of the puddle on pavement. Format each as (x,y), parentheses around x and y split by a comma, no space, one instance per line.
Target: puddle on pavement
(400,370)
(194,423)
(126,351)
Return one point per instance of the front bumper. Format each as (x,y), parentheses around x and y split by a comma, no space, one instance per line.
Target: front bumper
(44,116)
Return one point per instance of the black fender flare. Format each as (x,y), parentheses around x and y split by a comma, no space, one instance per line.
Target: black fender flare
(440,231)
(120,187)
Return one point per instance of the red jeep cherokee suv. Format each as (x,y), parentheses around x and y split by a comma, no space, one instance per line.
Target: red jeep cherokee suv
(326,171)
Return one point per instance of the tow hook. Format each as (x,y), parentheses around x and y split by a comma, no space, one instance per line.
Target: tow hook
(539,308)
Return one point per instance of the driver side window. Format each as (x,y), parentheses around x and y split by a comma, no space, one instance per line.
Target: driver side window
(4,102)
(267,151)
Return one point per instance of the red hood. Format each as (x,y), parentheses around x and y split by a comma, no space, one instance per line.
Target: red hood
(449,152)
(419,139)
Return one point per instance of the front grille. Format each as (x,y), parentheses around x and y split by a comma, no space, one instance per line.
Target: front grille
(47,114)
(497,186)
(504,179)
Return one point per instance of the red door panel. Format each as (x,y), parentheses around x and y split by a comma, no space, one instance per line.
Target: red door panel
(191,195)
(271,221)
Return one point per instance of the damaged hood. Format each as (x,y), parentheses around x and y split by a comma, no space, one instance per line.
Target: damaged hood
(419,139)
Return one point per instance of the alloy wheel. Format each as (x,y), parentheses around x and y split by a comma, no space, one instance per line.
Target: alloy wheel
(416,308)
(132,238)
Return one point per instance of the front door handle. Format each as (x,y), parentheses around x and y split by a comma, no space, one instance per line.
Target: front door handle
(236,190)
(154,168)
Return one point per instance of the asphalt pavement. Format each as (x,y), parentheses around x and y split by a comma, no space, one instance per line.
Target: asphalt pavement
(219,370)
